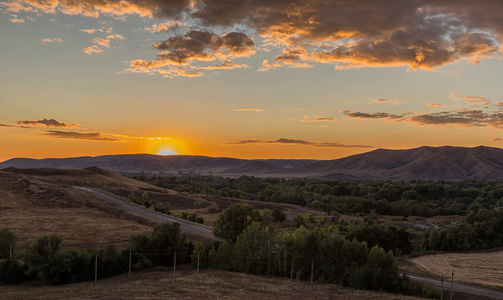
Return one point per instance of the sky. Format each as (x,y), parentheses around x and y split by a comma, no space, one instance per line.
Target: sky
(248,78)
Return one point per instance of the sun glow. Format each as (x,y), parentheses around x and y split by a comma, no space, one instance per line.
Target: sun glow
(173,146)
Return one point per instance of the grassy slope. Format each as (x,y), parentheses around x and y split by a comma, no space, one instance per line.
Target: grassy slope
(213,284)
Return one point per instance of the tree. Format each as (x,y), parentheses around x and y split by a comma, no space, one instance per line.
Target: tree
(7,242)
(45,260)
(233,220)
(252,250)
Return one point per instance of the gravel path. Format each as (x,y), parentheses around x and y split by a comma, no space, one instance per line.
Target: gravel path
(186,226)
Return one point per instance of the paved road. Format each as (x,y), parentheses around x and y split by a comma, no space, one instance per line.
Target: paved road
(185,226)
(456,286)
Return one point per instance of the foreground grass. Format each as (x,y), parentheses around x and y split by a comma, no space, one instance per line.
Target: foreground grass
(158,283)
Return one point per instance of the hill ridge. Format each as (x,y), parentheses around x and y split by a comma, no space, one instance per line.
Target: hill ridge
(425,162)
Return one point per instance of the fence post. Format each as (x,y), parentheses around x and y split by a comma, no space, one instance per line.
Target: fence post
(198,255)
(130,254)
(312,271)
(96,268)
(452,280)
(442,287)
(174,269)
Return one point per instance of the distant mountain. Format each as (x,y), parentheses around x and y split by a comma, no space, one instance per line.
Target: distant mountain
(172,164)
(426,163)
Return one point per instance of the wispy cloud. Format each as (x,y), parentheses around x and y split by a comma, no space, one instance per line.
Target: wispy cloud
(383,100)
(434,104)
(92,136)
(13,126)
(317,119)
(54,40)
(490,115)
(92,50)
(250,109)
(298,142)
(90,31)
(49,123)
(374,116)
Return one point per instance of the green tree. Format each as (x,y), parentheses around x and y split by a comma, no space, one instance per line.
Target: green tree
(233,220)
(45,260)
(252,250)
(200,251)
(7,242)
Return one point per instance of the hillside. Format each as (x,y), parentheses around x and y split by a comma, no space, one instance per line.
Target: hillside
(35,202)
(426,163)
(423,163)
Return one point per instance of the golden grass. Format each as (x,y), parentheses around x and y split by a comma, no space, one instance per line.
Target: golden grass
(483,268)
(91,224)
(213,284)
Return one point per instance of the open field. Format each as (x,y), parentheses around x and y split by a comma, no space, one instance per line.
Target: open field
(482,268)
(158,283)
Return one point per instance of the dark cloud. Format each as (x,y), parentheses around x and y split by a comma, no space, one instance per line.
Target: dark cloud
(489,116)
(375,116)
(48,123)
(93,136)
(317,119)
(197,45)
(299,142)
(418,34)
(13,126)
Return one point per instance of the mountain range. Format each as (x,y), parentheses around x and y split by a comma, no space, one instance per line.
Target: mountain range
(423,163)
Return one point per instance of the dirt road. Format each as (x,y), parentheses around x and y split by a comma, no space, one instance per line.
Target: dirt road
(186,226)
(457,287)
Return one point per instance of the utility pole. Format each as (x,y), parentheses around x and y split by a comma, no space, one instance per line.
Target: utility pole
(452,280)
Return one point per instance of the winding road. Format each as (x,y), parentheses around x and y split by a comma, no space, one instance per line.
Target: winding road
(157,217)
(456,286)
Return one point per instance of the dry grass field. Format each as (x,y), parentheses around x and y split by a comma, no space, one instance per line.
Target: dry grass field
(32,207)
(36,202)
(483,268)
(158,283)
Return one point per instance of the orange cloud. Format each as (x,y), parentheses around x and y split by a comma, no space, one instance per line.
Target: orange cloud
(49,123)
(416,34)
(317,119)
(55,40)
(298,142)
(250,109)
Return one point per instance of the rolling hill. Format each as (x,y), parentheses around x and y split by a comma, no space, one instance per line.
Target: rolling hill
(424,163)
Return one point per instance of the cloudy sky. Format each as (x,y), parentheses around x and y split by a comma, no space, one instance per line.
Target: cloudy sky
(248,78)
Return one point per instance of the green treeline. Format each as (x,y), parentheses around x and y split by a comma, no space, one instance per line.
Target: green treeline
(331,257)
(46,261)
(248,244)
(418,198)
(479,230)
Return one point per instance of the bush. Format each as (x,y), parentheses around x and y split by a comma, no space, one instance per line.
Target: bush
(12,272)
(431,292)
(278,215)
(163,209)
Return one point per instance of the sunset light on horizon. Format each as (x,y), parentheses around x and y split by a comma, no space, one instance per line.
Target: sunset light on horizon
(248,79)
